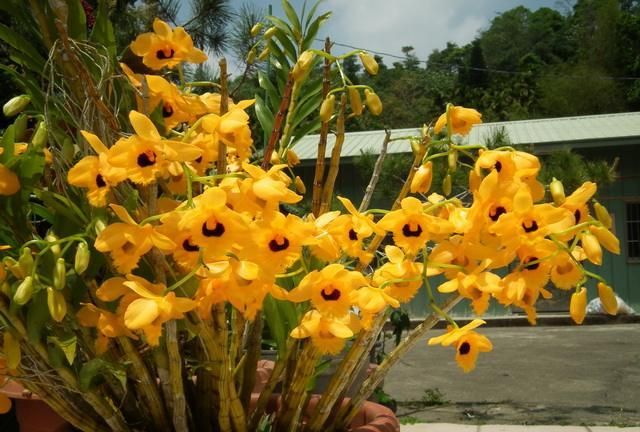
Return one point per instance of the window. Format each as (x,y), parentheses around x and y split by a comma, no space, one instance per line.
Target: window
(633,231)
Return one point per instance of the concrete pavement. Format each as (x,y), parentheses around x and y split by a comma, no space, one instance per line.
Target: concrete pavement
(568,375)
(449,427)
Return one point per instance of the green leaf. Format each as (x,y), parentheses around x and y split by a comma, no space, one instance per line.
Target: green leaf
(96,367)
(37,316)
(312,31)
(292,16)
(287,45)
(278,23)
(37,98)
(77,20)
(68,344)
(264,83)
(103,29)
(312,106)
(265,117)
(33,59)
(312,12)
(8,144)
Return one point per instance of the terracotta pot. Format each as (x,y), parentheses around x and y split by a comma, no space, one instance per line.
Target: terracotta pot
(34,415)
(372,417)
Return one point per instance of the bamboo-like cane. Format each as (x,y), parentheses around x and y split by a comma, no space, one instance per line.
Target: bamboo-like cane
(334,165)
(287,417)
(277,122)
(145,384)
(340,380)
(175,376)
(377,169)
(318,176)
(348,412)
(253,350)
(224,107)
(111,416)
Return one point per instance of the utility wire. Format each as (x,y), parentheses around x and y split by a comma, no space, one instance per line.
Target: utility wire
(447,65)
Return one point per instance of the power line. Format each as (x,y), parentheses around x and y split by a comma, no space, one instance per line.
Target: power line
(446,65)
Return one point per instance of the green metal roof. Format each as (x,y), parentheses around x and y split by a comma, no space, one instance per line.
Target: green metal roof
(544,134)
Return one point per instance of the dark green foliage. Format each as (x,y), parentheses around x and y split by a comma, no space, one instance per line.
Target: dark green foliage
(574,169)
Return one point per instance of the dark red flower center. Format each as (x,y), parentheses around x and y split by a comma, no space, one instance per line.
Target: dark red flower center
(353,235)
(498,166)
(464,348)
(216,231)
(577,215)
(332,295)
(167,110)
(530,227)
(496,212)
(146,159)
(189,247)
(279,244)
(533,265)
(100,181)
(162,54)
(407,231)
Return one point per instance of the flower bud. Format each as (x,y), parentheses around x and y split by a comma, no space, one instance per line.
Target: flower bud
(264,54)
(5,288)
(300,187)
(10,183)
(592,248)
(292,158)
(608,298)
(606,238)
(256,29)
(416,146)
(25,261)
(421,182)
(327,107)
(251,57)
(59,274)
(302,65)
(355,101)
(373,102)
(99,226)
(446,185)
(275,158)
(578,305)
(602,215)
(557,191)
(452,160)
(12,265)
(11,348)
(370,64)
(51,238)
(24,291)
(83,256)
(57,304)
(269,33)
(15,105)
(40,137)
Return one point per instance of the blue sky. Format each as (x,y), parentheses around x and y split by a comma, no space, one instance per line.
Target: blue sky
(387,25)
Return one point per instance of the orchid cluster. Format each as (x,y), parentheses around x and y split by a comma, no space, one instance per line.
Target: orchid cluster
(207,238)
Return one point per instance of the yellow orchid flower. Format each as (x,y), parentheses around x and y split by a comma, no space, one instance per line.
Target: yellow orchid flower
(327,333)
(468,347)
(108,324)
(145,155)
(405,274)
(127,241)
(148,312)
(330,289)
(166,47)
(271,186)
(578,305)
(9,182)
(462,119)
(478,286)
(412,228)
(350,230)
